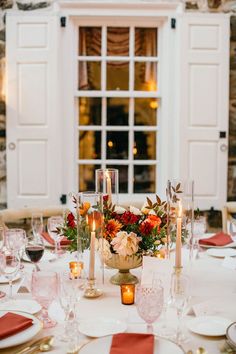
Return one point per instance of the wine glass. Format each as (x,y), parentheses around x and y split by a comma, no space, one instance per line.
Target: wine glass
(44,288)
(37,224)
(2,268)
(199,229)
(149,302)
(15,240)
(179,297)
(34,250)
(2,238)
(11,269)
(53,223)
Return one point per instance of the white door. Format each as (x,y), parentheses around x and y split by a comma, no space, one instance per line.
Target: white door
(33,120)
(204,75)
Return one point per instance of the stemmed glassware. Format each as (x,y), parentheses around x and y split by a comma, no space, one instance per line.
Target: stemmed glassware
(37,224)
(11,269)
(44,288)
(2,269)
(149,302)
(34,250)
(15,241)
(53,223)
(199,229)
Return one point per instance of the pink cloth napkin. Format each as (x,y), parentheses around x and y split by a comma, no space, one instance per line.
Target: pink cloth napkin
(12,323)
(219,239)
(127,343)
(47,237)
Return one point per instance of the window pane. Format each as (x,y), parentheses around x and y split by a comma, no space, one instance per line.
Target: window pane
(90,41)
(89,75)
(117,41)
(146,42)
(145,76)
(144,179)
(117,111)
(117,75)
(90,111)
(145,111)
(123,177)
(89,144)
(117,145)
(87,177)
(144,146)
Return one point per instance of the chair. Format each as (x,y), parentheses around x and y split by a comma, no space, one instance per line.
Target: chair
(228,211)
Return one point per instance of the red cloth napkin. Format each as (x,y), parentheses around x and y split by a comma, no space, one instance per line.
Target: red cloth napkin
(12,323)
(219,239)
(127,343)
(47,237)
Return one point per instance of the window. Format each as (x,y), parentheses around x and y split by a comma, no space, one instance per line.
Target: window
(118,105)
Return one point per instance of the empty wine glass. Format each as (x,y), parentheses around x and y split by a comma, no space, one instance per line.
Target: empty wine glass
(149,302)
(37,224)
(53,223)
(179,297)
(15,240)
(232,229)
(11,269)
(2,268)
(34,250)
(2,238)
(44,288)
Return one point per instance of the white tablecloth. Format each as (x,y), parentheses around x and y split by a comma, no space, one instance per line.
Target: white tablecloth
(210,281)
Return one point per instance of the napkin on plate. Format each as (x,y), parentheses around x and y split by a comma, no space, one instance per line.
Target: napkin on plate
(219,239)
(12,323)
(122,343)
(47,237)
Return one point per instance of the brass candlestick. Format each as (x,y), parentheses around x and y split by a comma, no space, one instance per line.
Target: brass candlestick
(92,292)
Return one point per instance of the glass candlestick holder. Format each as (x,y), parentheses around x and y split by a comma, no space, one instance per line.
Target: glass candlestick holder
(107,183)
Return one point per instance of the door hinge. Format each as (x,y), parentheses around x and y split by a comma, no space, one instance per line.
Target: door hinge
(173,23)
(63,199)
(63,21)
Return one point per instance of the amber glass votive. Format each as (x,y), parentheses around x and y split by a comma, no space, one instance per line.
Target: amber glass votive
(75,269)
(127,294)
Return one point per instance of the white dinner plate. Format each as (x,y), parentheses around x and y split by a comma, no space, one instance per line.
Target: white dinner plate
(101,326)
(24,335)
(231,334)
(4,280)
(221,252)
(29,306)
(47,256)
(209,325)
(103,345)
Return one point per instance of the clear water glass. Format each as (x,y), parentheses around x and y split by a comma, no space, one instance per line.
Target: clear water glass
(37,224)
(2,269)
(52,224)
(11,270)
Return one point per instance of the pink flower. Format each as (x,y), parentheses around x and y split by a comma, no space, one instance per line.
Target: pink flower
(125,244)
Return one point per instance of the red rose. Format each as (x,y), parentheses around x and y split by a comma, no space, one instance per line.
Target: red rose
(129,218)
(71,220)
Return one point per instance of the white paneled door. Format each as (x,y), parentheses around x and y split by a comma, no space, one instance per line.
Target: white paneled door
(33,124)
(204,76)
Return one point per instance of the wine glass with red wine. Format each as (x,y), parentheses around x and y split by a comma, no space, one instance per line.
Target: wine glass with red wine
(34,250)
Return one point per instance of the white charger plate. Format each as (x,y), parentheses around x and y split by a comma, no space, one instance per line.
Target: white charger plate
(103,345)
(221,252)
(209,325)
(4,280)
(231,334)
(29,306)
(47,256)
(101,326)
(24,335)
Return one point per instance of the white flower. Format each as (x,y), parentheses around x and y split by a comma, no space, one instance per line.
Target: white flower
(119,210)
(125,244)
(134,210)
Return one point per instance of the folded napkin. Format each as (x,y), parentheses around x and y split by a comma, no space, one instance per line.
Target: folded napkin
(127,343)
(219,239)
(12,323)
(47,237)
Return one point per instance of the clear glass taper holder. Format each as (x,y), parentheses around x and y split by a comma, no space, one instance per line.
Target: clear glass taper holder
(107,183)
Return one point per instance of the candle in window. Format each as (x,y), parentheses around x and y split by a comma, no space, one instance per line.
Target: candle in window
(178,238)
(92,252)
(127,294)
(108,182)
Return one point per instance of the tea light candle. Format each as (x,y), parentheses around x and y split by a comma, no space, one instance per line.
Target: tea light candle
(127,294)
(75,269)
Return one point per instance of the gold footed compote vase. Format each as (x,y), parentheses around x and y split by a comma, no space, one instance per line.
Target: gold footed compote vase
(123,264)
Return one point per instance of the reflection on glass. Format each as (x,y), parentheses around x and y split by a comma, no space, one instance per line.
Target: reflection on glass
(86,175)
(123,177)
(117,41)
(145,76)
(144,179)
(144,146)
(117,145)
(117,111)
(90,41)
(90,111)
(146,42)
(145,111)
(89,75)
(117,75)
(89,144)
